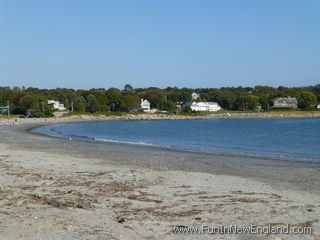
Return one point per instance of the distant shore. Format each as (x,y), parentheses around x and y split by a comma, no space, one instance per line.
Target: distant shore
(146,116)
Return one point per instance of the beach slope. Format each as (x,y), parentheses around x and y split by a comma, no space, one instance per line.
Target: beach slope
(65,194)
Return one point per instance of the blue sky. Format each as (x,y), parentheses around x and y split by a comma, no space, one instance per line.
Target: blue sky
(183,43)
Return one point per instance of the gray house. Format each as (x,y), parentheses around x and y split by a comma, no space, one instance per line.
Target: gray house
(285,103)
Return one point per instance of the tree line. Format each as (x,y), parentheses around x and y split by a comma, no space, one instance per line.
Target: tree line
(34,101)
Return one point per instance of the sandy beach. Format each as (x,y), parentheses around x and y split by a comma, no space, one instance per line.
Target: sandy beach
(159,120)
(54,188)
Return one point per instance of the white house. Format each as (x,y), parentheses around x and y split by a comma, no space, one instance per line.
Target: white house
(195,96)
(145,105)
(204,106)
(57,105)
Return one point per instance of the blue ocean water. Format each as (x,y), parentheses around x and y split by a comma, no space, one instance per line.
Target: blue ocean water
(287,139)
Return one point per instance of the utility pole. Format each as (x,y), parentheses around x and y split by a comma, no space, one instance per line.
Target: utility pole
(71,105)
(67,101)
(8,108)
(42,108)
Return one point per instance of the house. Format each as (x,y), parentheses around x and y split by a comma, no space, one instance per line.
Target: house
(57,105)
(3,109)
(285,103)
(195,96)
(145,105)
(203,106)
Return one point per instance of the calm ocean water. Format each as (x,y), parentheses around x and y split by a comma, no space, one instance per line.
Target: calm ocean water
(288,139)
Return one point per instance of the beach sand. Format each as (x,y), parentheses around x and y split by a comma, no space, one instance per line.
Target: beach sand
(54,188)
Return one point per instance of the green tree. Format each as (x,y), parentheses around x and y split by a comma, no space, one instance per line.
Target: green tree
(265,101)
(259,90)
(306,100)
(92,104)
(156,97)
(129,102)
(80,104)
(26,104)
(101,98)
(128,87)
(170,106)
(227,99)
(114,96)
(246,102)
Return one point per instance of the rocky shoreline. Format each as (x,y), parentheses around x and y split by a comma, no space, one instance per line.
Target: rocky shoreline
(185,117)
(146,116)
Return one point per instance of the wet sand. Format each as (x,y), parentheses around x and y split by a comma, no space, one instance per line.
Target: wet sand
(56,188)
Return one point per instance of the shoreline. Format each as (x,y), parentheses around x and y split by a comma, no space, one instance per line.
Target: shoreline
(54,188)
(256,168)
(146,116)
(284,115)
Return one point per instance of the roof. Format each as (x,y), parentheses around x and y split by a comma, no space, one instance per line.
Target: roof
(198,104)
(144,102)
(289,100)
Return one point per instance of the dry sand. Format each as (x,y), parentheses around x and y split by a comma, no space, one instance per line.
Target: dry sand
(63,195)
